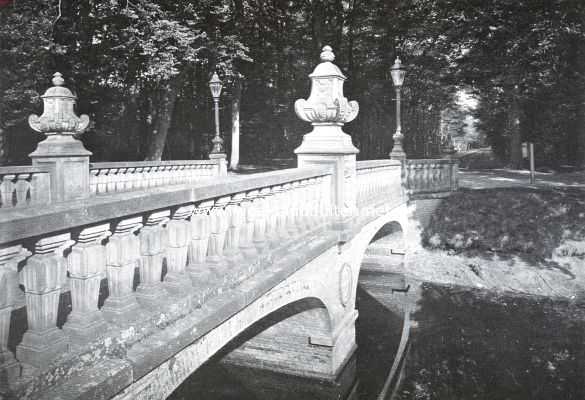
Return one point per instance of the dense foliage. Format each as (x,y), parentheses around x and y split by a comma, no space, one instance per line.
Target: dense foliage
(140,69)
(526,222)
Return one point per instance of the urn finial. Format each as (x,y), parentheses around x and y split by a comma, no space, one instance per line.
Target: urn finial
(58,116)
(327,104)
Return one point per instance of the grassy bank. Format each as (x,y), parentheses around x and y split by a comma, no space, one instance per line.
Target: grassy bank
(529,223)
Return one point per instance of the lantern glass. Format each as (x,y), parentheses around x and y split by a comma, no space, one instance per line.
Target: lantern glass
(215,86)
(397,73)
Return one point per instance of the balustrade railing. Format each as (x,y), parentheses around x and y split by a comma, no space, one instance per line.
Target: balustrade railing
(113,177)
(377,181)
(181,242)
(23,186)
(430,176)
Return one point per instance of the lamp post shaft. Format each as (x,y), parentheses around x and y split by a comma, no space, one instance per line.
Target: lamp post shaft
(398,116)
(216,106)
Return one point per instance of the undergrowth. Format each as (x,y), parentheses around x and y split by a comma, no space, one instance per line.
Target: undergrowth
(530,223)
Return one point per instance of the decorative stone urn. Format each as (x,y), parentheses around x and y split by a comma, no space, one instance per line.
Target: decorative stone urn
(61,153)
(328,110)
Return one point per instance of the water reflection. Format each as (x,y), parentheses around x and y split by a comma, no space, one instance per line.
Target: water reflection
(464,344)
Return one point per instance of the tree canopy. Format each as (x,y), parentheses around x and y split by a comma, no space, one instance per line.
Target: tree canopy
(140,69)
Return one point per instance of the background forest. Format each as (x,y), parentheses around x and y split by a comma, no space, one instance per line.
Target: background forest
(140,70)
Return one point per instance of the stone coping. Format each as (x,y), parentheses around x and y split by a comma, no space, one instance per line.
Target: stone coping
(376,164)
(432,161)
(19,224)
(22,169)
(138,164)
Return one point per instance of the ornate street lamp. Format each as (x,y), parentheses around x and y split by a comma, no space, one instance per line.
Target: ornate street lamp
(215,86)
(397,73)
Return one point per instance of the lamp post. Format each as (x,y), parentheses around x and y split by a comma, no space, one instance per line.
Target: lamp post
(397,73)
(215,86)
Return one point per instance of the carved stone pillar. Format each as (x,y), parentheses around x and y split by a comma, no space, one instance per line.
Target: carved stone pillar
(9,259)
(87,262)
(41,277)
(328,110)
(236,219)
(123,256)
(250,214)
(150,292)
(218,228)
(177,281)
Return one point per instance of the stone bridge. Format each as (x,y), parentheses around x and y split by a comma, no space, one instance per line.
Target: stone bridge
(119,280)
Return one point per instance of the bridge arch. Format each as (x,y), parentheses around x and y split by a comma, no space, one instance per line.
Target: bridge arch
(295,294)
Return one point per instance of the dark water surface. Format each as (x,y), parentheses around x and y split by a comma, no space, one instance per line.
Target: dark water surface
(465,344)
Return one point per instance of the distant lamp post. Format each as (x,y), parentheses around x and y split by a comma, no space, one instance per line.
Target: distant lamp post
(215,85)
(397,73)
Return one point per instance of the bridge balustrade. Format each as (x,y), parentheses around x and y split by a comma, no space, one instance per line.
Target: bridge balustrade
(377,181)
(426,176)
(24,186)
(112,177)
(153,255)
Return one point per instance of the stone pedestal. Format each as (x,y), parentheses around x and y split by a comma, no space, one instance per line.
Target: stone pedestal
(67,161)
(221,160)
(335,150)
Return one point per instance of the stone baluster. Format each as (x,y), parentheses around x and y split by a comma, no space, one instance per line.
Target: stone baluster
(236,218)
(9,259)
(282,204)
(218,229)
(250,211)
(112,178)
(293,196)
(177,281)
(7,190)
(123,256)
(200,231)
(93,180)
(138,179)
(22,187)
(150,292)
(86,265)
(120,180)
(312,206)
(42,278)
(271,213)
(262,206)
(102,182)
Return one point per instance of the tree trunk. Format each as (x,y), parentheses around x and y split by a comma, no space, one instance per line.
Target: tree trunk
(235,150)
(515,135)
(164,114)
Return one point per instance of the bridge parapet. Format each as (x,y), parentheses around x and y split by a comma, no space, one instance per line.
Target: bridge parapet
(426,177)
(120,267)
(24,186)
(378,181)
(112,177)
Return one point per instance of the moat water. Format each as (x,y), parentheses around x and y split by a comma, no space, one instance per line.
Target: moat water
(464,344)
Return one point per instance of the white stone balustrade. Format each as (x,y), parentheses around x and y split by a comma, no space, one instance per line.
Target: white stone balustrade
(430,176)
(195,236)
(377,181)
(24,186)
(118,177)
